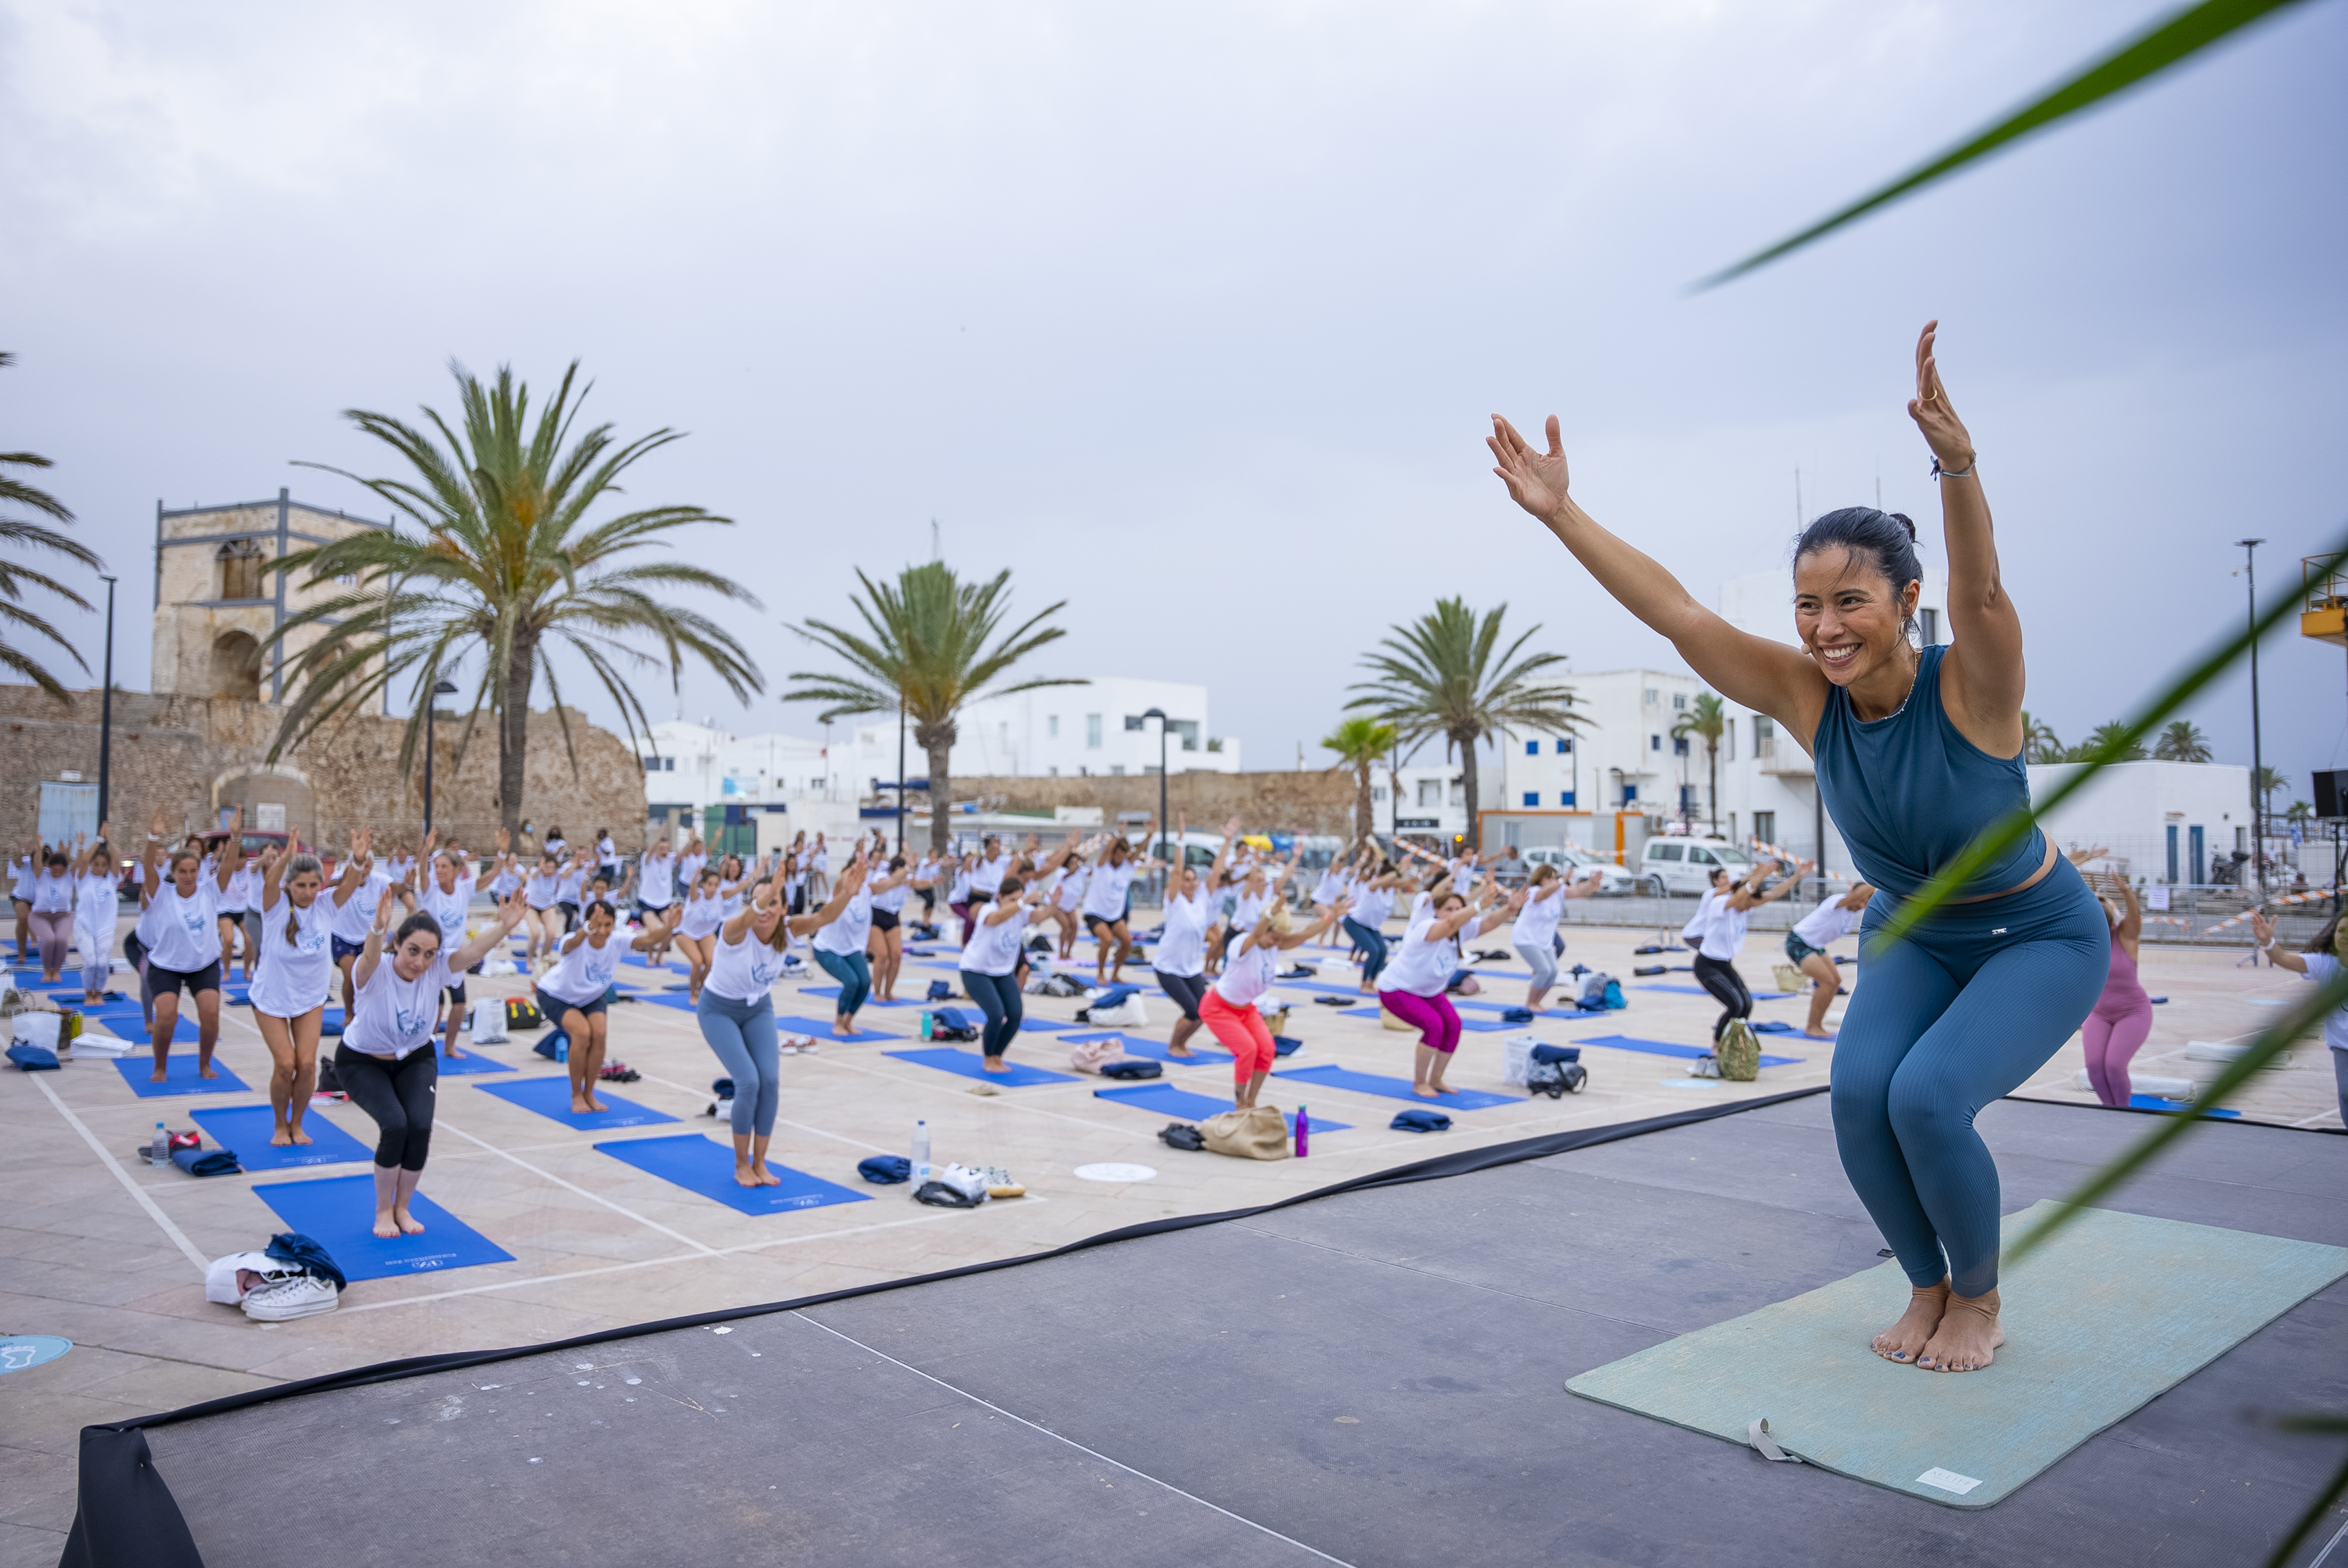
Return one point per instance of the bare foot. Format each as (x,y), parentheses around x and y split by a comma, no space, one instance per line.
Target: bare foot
(1423,1090)
(453,1054)
(595,1104)
(766,1178)
(745,1176)
(281,1138)
(1817,1034)
(997,1064)
(1968,1338)
(409,1224)
(300,1137)
(582,1106)
(206,1069)
(386,1227)
(158,1076)
(843,1031)
(1905,1340)
(1183,1051)
(1442,1087)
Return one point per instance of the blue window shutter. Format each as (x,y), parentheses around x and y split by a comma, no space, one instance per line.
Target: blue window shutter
(1533,748)
(1565,797)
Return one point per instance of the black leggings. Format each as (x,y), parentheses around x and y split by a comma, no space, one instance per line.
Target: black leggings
(997,997)
(1719,977)
(399,1095)
(1188,991)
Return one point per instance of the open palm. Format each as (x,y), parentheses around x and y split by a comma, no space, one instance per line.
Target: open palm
(1537,480)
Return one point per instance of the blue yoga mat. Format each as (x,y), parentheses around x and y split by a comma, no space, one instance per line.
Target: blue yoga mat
(338,1213)
(869,1001)
(1466,1025)
(1029,1023)
(2155,1102)
(244,1130)
(472,1063)
(1133,1045)
(182,1079)
(551,1097)
(702,1164)
(676,1000)
(1665,1048)
(1377,1083)
(970,1064)
(1700,991)
(1166,1100)
(796,1023)
(2191,1294)
(124,1021)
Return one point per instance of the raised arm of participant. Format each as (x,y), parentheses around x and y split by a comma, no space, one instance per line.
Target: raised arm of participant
(2280,958)
(1303,934)
(150,859)
(1504,914)
(371,954)
(87,855)
(509,912)
(1585,888)
(1982,668)
(2131,926)
(230,859)
(1748,897)
(843,888)
(356,867)
(1753,671)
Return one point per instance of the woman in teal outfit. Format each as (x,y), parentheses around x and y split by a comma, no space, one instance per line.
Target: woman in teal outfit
(1917,751)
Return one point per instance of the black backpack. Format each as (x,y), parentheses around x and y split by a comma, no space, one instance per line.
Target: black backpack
(1182,1136)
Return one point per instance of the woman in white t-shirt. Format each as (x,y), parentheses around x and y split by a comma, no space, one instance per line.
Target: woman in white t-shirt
(1723,939)
(178,927)
(697,921)
(233,903)
(386,1062)
(2320,963)
(885,948)
(1375,886)
(1807,944)
(1107,893)
(736,1013)
(989,962)
(572,993)
(1412,987)
(541,893)
(656,892)
(446,895)
(1179,960)
(1230,1006)
(53,912)
(97,884)
(840,942)
(297,972)
(1535,936)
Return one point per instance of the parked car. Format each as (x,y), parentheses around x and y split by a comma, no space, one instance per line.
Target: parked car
(1575,864)
(1685,865)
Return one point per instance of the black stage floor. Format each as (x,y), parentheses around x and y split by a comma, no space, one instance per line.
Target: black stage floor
(1373,1378)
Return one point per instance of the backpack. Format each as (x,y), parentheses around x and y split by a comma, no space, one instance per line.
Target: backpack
(1126,1010)
(1592,993)
(1738,1052)
(521,1014)
(1555,1070)
(939,991)
(1131,1067)
(952,1023)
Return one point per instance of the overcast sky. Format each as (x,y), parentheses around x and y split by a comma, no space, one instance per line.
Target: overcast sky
(1192,316)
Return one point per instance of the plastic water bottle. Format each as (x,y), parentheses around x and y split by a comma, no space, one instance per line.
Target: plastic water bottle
(925,1023)
(920,1153)
(1304,1134)
(562,1050)
(159,1151)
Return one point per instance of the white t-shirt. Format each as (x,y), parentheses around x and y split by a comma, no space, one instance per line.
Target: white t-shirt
(243,888)
(1248,908)
(959,893)
(1420,966)
(894,900)
(1701,922)
(702,916)
(1248,975)
(1069,892)
(1828,923)
(1724,938)
(745,971)
(20,875)
(53,892)
(607,853)
(181,933)
(1373,907)
(1182,951)
(988,875)
(296,975)
(97,896)
(391,1016)
(849,933)
(585,972)
(2322,966)
(820,861)
(448,909)
(656,882)
(1536,921)
(543,890)
(688,868)
(355,919)
(994,949)
(1330,889)
(1105,895)
(556,845)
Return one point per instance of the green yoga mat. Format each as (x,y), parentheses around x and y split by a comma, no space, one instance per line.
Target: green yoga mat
(2115,1311)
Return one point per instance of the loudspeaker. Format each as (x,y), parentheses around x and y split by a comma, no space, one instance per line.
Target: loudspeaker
(2331,793)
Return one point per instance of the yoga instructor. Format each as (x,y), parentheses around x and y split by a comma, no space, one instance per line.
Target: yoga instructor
(1917,751)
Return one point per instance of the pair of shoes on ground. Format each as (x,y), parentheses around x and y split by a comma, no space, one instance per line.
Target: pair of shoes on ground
(294,1295)
(797,1045)
(619,1072)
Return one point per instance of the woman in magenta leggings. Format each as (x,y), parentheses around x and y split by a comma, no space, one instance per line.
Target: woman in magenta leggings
(1412,985)
(2123,1014)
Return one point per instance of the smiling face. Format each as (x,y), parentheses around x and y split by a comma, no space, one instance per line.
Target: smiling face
(600,924)
(1850,620)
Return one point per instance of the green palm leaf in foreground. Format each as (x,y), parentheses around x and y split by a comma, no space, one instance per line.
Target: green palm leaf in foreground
(509,567)
(2166,44)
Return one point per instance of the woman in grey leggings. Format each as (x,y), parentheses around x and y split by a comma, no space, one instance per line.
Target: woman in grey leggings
(738,1010)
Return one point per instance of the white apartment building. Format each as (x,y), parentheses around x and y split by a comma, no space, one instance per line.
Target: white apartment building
(704,777)
(1625,754)
(1433,796)
(1098,727)
(2164,822)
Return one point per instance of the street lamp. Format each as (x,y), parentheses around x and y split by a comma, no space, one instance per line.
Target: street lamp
(2258,762)
(432,710)
(105,710)
(1160,714)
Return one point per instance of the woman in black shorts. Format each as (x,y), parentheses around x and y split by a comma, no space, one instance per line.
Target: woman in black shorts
(179,927)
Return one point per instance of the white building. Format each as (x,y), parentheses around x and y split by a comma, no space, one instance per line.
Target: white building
(1096,728)
(705,779)
(2165,821)
(1433,797)
(1624,756)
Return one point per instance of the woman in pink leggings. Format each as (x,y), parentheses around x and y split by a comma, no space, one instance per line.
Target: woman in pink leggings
(1412,985)
(2123,1014)
(1229,1007)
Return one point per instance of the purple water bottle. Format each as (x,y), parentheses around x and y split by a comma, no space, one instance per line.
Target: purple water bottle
(1304,1134)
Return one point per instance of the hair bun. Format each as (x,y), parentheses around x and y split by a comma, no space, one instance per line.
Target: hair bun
(1906,522)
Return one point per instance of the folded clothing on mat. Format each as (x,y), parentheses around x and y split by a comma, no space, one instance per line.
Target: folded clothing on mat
(207,1162)
(885,1170)
(1415,1121)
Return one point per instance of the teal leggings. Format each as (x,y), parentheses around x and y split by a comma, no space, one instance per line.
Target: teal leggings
(854,973)
(1959,1014)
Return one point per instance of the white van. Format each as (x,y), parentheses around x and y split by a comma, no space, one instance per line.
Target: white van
(1574,864)
(1685,865)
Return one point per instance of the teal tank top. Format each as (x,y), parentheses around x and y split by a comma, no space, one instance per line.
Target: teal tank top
(1909,792)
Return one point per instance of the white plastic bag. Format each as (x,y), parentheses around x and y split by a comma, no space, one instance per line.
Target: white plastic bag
(1517,1059)
(1127,1014)
(487,1024)
(36,1028)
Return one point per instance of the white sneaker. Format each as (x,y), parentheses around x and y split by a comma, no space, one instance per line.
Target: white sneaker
(300,1295)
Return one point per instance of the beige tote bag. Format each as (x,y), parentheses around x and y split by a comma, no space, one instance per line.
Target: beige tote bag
(1258,1135)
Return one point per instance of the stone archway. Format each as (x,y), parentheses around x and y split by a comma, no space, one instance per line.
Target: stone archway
(236,666)
(278,799)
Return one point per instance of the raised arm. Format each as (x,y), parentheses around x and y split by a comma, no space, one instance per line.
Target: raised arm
(770,895)
(1303,934)
(1982,671)
(356,867)
(232,852)
(510,910)
(371,954)
(843,888)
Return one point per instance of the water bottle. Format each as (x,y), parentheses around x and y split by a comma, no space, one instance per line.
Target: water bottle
(925,1024)
(920,1153)
(159,1151)
(1304,1134)
(562,1050)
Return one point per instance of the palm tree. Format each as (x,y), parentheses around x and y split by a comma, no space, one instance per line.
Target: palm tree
(2268,782)
(1360,744)
(924,648)
(2110,744)
(1440,675)
(2039,741)
(2181,741)
(14,578)
(1707,718)
(2300,811)
(508,567)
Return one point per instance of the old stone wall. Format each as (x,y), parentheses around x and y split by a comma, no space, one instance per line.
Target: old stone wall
(192,755)
(1319,802)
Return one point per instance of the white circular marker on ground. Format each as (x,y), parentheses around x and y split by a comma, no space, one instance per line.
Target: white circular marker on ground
(1111,1171)
(1692,1083)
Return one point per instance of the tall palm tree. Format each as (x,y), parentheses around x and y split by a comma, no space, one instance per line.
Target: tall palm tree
(1442,675)
(509,567)
(924,647)
(14,578)
(2269,781)
(1361,744)
(1706,717)
(2181,741)
(2039,741)
(2109,742)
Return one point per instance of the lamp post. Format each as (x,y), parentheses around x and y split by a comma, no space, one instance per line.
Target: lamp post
(432,710)
(1160,714)
(2258,762)
(900,772)
(105,710)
